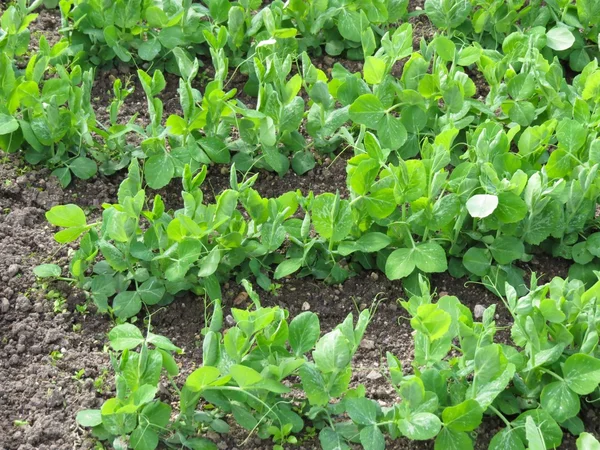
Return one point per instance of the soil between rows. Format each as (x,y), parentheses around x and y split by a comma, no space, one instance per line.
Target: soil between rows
(42,351)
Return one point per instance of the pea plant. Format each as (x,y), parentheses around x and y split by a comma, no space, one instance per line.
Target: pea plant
(536,386)
(567,29)
(134,418)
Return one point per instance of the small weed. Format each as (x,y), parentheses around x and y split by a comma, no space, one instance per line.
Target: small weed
(56,356)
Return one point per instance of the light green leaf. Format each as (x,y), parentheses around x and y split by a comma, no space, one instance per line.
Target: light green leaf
(202,377)
(47,271)
(245,376)
(304,331)
(89,417)
(125,336)
(332,352)
(374,70)
(559,38)
(66,216)
(482,205)
(587,441)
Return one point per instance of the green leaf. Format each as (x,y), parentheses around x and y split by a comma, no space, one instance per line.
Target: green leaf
(127,304)
(560,401)
(125,336)
(69,235)
(149,49)
(200,378)
(245,376)
(151,291)
(332,352)
(372,438)
(400,264)
(534,435)
(362,411)
(162,342)
(392,132)
(430,257)
(367,110)
(582,373)
(210,263)
(89,417)
(159,170)
(332,217)
(477,261)
(302,162)
(445,48)
(549,428)
(313,385)
(506,439)
(465,416)
(63,174)
(511,208)
(522,113)
(287,267)
(506,249)
(143,438)
(8,124)
(420,426)
(304,332)
(453,440)
(487,391)
(83,168)
(330,440)
(47,271)
(349,24)
(66,216)
(447,14)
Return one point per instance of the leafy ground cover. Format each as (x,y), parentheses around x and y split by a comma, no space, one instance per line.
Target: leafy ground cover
(390,177)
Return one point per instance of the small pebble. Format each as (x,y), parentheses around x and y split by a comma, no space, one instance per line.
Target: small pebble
(478,311)
(4,306)
(374,375)
(23,303)
(367,344)
(13,269)
(229,320)
(305,306)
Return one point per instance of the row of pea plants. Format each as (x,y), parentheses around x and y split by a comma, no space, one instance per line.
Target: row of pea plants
(284,380)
